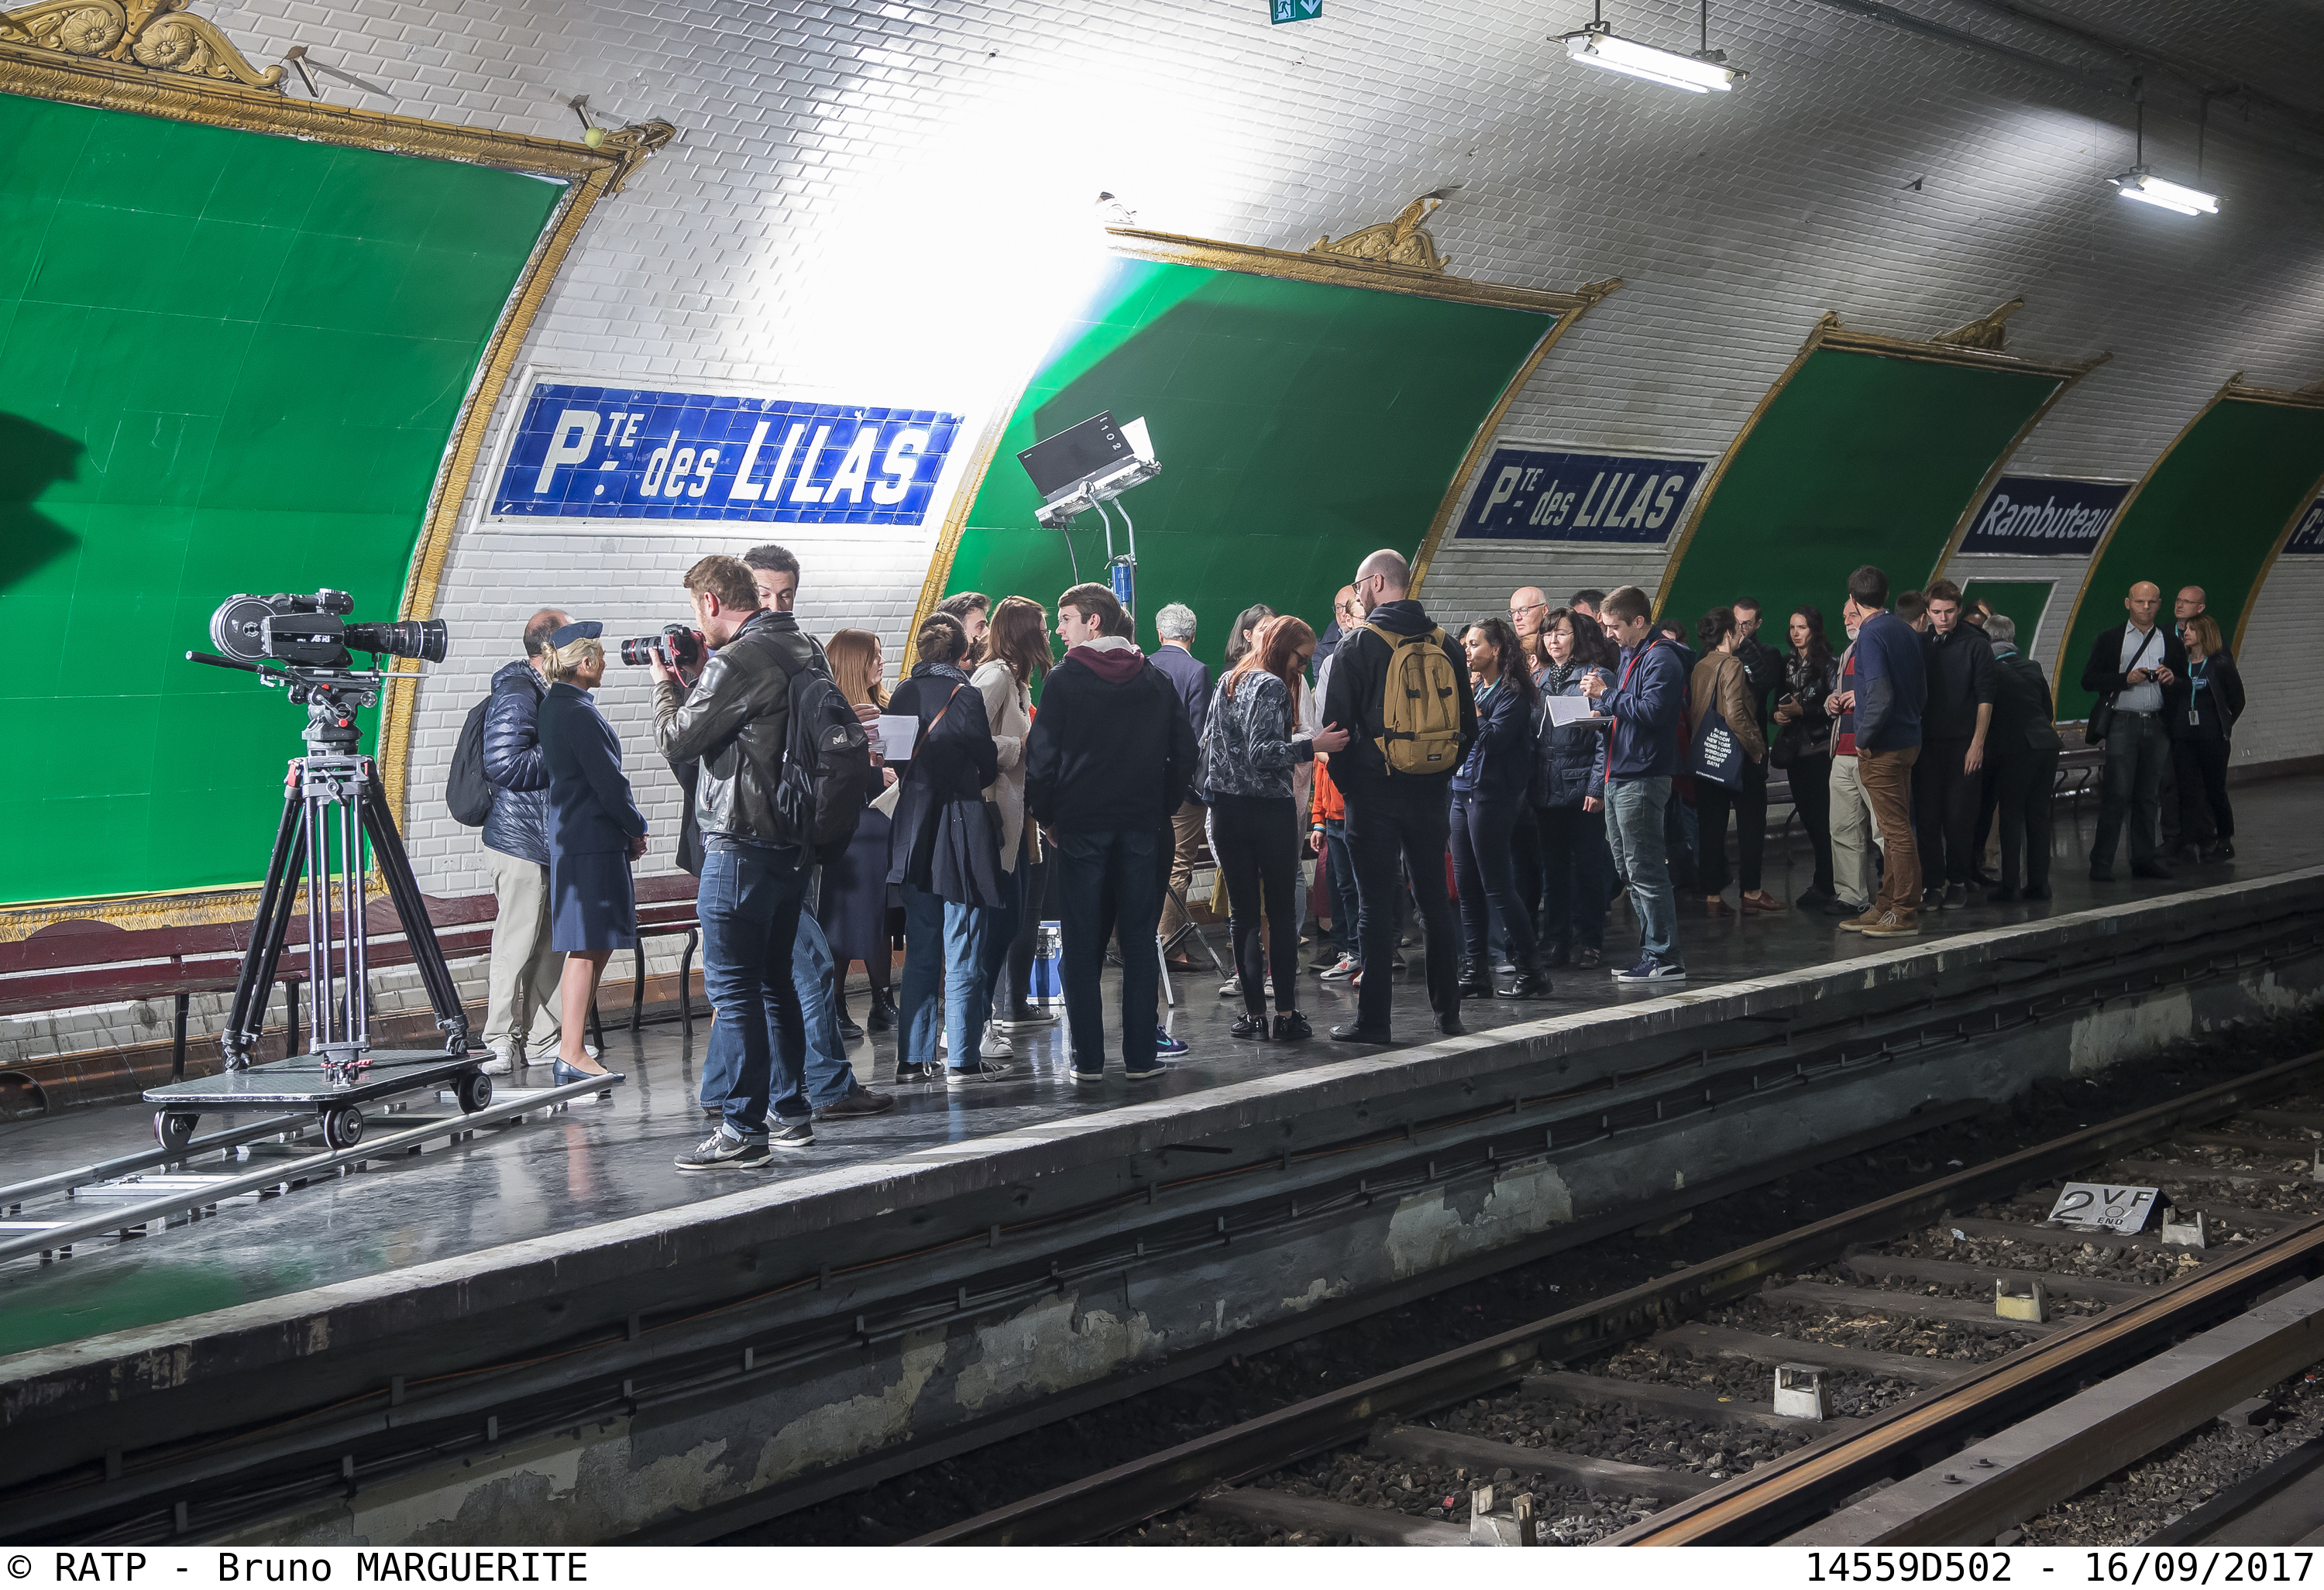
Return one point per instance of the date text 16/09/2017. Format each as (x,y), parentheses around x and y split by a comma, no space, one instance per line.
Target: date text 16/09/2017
(2207,1566)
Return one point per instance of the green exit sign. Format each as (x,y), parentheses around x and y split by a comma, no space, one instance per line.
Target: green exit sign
(1282,10)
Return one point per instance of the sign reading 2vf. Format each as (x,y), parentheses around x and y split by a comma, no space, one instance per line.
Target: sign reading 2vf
(595,452)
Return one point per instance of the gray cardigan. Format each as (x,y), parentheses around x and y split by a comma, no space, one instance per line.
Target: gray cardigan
(1248,749)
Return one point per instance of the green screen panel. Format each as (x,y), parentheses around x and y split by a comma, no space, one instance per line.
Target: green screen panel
(228,362)
(1859,458)
(2208,514)
(2025,601)
(1299,424)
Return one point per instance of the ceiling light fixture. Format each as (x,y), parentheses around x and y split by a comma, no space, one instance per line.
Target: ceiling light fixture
(1597,44)
(2140,184)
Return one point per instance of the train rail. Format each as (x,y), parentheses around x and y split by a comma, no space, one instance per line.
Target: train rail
(2131,1343)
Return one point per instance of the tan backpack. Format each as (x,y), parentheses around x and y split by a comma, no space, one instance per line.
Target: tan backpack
(1420,705)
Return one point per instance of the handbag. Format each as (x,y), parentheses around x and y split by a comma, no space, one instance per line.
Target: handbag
(2101,721)
(1716,755)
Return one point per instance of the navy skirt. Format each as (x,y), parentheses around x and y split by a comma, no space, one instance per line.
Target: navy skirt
(854,906)
(592,904)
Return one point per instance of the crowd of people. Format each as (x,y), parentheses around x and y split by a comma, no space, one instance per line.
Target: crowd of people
(1503,784)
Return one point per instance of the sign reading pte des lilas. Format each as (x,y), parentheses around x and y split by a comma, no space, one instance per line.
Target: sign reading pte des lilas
(1530,495)
(2308,536)
(2024,515)
(598,452)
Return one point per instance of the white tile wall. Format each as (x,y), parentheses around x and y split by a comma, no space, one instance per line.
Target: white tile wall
(897,198)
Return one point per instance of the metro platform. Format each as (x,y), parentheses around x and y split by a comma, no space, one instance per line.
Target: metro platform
(610,1159)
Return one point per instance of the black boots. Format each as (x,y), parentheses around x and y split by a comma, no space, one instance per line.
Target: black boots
(1530,982)
(1474,982)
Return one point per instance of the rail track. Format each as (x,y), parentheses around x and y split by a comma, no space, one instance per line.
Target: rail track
(1959,1400)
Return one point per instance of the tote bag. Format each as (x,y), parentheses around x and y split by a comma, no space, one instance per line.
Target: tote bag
(1716,756)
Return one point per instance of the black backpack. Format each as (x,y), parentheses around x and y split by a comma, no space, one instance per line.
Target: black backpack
(828,776)
(466,791)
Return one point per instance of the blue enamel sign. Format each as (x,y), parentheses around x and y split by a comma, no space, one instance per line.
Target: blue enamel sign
(589,452)
(1525,495)
(2024,514)
(2308,536)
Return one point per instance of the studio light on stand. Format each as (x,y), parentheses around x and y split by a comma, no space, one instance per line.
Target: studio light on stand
(1086,466)
(2142,185)
(1703,72)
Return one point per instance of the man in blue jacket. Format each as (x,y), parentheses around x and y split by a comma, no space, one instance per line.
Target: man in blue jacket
(1891,686)
(520,1016)
(1646,702)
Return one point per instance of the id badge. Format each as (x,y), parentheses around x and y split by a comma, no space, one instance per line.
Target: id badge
(2194,718)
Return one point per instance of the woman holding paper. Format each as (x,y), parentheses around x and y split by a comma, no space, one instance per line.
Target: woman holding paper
(856,901)
(1569,793)
(1017,648)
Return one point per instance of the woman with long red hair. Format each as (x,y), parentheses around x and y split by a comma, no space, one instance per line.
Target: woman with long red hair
(1250,747)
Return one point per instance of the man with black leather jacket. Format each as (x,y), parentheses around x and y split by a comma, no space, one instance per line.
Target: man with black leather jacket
(521,1016)
(736,721)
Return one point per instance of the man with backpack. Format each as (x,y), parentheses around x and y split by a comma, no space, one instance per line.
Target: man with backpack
(1402,689)
(763,799)
(500,783)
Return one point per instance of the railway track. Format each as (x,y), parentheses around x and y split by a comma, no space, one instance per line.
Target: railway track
(1973,1365)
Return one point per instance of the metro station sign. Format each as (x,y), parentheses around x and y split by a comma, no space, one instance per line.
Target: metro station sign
(2307,537)
(1529,494)
(582,453)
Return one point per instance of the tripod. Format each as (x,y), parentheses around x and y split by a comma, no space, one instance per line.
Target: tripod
(331,811)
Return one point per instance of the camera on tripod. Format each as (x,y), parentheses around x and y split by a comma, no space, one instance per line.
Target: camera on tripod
(312,631)
(676,646)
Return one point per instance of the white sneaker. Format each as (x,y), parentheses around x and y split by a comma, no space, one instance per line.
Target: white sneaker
(944,1039)
(497,1066)
(996,1046)
(1231,987)
(1341,969)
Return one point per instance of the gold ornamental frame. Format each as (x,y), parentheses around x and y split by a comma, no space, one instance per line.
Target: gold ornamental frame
(2232,390)
(1317,265)
(182,88)
(1829,333)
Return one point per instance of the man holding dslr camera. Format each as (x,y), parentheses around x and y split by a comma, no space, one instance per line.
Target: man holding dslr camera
(735,722)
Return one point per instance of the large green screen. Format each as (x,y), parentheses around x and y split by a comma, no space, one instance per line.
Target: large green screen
(2026,602)
(2208,514)
(1859,458)
(1299,426)
(228,362)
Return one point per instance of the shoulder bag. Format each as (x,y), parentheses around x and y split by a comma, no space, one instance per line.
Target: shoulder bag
(1716,755)
(2101,723)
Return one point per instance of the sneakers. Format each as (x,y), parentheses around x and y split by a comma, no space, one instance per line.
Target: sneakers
(1033,1022)
(723,1151)
(1956,897)
(1248,1025)
(984,1071)
(1345,967)
(789,1134)
(1893,924)
(1651,970)
(1357,1033)
(996,1046)
(1087,1079)
(1233,986)
(1146,1074)
(497,1066)
(855,1104)
(1290,1027)
(1932,898)
(1163,1043)
(1857,925)
(908,1075)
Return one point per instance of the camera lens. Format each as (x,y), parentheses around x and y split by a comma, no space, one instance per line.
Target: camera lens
(638,652)
(423,639)
(238,626)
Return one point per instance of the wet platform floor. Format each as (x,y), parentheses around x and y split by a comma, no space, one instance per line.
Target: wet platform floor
(608,1160)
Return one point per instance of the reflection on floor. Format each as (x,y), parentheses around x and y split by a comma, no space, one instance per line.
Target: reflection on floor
(611,1160)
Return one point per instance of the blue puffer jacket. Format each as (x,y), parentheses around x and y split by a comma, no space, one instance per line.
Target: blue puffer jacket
(519,823)
(1499,763)
(1568,762)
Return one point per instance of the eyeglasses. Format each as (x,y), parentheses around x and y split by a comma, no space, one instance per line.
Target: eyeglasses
(1519,612)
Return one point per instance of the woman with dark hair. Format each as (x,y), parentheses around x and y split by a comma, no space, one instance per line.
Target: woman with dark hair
(941,852)
(1488,790)
(1250,743)
(595,833)
(854,909)
(1718,680)
(1245,633)
(2201,707)
(1017,658)
(1803,746)
(1569,796)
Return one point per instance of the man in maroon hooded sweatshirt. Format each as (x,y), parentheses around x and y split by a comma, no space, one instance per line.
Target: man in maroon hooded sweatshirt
(1111,756)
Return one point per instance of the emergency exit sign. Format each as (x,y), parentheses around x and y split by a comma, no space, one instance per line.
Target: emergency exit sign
(1282,10)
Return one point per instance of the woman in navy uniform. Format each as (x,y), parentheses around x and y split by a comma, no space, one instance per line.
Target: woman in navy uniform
(595,831)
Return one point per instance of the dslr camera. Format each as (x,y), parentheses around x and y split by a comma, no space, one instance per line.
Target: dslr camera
(678,646)
(312,633)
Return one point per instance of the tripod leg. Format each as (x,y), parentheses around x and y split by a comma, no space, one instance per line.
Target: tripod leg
(255,983)
(418,931)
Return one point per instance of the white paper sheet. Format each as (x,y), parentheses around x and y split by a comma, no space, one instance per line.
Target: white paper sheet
(1568,709)
(897,734)
(886,805)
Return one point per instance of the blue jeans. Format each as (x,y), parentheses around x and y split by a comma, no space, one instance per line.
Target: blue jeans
(943,958)
(829,1077)
(1102,877)
(1488,884)
(1634,828)
(1340,881)
(2137,749)
(749,903)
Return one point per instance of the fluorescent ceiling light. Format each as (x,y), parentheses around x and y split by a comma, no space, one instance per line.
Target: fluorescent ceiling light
(1597,45)
(2136,184)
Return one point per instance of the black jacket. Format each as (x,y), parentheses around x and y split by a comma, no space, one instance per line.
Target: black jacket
(941,839)
(1960,680)
(2103,674)
(2022,715)
(1359,676)
(1763,673)
(1112,751)
(736,723)
(590,811)
(519,823)
(2216,706)
(1568,762)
